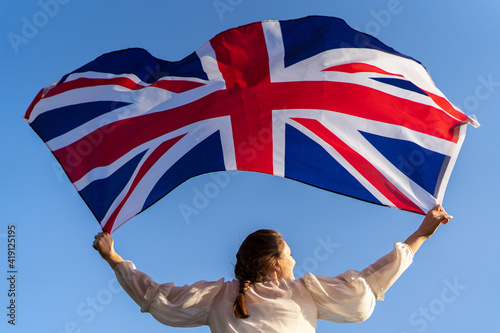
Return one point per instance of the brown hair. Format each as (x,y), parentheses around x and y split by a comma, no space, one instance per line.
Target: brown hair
(257,254)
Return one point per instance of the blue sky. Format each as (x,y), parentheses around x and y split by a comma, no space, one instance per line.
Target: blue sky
(63,286)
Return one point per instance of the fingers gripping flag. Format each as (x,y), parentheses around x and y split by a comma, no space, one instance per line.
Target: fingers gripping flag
(310,99)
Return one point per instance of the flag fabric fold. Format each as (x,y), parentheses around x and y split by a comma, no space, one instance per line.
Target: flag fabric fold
(309,99)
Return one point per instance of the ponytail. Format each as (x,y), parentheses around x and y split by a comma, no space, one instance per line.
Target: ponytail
(239,309)
(258,252)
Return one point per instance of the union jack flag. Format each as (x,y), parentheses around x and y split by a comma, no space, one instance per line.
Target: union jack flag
(309,99)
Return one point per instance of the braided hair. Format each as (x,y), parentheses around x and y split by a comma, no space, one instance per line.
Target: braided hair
(257,254)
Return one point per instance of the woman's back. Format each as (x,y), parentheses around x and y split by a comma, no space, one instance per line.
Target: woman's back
(282,305)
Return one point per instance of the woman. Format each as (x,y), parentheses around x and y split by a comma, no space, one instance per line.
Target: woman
(266,297)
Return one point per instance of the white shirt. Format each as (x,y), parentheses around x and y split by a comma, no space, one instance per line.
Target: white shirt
(291,305)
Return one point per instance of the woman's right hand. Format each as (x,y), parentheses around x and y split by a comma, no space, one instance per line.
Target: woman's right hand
(104,244)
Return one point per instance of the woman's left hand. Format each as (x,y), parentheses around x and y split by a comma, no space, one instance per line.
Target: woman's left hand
(433,220)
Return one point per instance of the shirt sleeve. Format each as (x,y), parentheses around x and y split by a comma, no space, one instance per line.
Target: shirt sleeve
(185,306)
(351,296)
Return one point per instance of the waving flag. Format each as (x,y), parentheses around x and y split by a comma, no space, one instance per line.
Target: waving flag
(308,99)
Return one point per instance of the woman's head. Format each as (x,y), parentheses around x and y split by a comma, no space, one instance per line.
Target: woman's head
(262,255)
